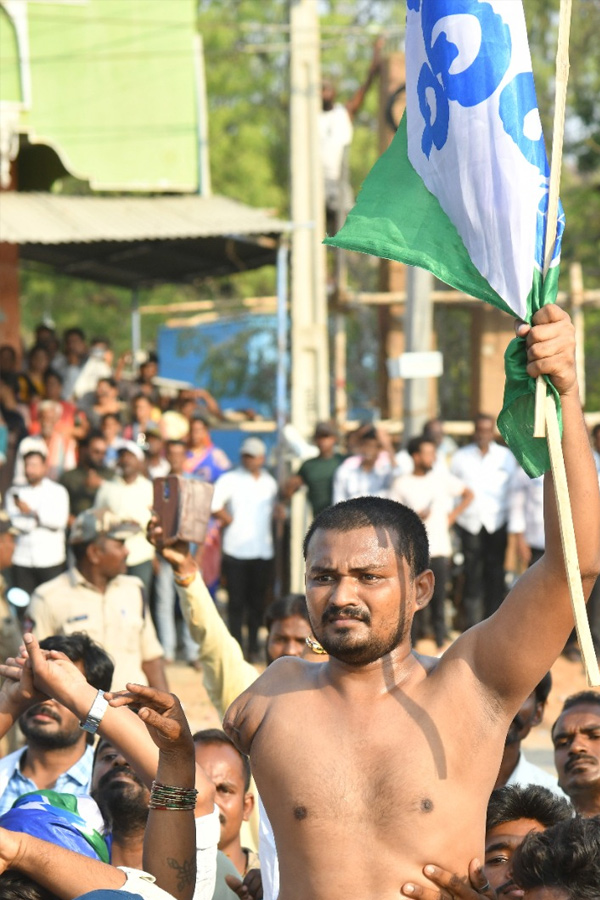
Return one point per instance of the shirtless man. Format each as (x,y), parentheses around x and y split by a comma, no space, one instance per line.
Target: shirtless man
(374,763)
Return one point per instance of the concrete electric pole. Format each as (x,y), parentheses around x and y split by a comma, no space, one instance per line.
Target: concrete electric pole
(310,364)
(308,299)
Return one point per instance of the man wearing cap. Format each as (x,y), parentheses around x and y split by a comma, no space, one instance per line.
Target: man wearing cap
(96,596)
(317,473)
(129,496)
(244,503)
(38,510)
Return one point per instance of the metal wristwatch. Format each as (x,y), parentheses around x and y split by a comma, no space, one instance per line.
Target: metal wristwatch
(95,715)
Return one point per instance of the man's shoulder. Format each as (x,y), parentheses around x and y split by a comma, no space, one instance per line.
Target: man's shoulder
(66,581)
(126,582)
(10,762)
(51,486)
(526,772)
(281,674)
(72,477)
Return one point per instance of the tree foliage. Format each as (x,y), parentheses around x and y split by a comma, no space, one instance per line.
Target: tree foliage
(247,70)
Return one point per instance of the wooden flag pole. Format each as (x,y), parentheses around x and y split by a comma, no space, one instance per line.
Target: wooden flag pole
(567,536)
(546,419)
(558,130)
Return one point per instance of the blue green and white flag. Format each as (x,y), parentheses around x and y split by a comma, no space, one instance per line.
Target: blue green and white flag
(463,188)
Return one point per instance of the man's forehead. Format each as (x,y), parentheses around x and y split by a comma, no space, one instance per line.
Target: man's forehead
(358,545)
(510,834)
(290,625)
(584,715)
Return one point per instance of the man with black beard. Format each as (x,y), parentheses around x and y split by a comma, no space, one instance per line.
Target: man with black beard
(123,800)
(57,754)
(515,768)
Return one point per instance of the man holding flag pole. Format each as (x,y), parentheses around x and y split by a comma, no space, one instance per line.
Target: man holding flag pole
(378,761)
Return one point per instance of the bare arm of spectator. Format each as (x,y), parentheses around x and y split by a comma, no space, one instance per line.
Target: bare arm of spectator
(516,517)
(154,670)
(226,672)
(170,838)
(466,498)
(354,104)
(293,484)
(220,500)
(65,873)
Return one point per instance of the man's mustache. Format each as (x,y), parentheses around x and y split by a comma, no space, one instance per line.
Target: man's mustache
(44,710)
(581,757)
(114,773)
(331,613)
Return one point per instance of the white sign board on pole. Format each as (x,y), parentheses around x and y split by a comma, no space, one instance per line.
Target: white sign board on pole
(416,365)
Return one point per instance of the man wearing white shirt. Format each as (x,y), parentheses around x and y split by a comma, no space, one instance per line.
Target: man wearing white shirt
(432,492)
(487,469)
(39,510)
(368,473)
(526,516)
(244,502)
(130,497)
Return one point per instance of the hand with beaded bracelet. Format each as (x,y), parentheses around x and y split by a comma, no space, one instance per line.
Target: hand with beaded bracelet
(170,839)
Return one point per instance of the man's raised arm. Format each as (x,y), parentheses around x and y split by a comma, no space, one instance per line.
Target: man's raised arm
(513,649)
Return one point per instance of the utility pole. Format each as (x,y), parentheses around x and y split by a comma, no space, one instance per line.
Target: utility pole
(310,363)
(418,330)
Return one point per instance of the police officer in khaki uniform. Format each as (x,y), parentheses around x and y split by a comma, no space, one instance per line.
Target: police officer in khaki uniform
(96,596)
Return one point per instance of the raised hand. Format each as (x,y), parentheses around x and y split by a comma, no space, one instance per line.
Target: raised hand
(175,552)
(250,888)
(18,691)
(161,713)
(53,673)
(550,341)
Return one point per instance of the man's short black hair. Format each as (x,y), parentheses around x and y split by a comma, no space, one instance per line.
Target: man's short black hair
(111,415)
(77,331)
(175,442)
(217,736)
(581,698)
(405,526)
(532,801)
(542,690)
(16,886)
(566,856)
(79,647)
(52,373)
(415,444)
(284,607)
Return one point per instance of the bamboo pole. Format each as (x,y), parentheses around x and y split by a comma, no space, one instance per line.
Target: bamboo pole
(546,419)
(567,536)
(558,130)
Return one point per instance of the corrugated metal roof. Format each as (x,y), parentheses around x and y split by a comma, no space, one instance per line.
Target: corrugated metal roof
(55,219)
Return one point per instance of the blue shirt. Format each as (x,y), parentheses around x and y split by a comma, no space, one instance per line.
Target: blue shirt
(13,783)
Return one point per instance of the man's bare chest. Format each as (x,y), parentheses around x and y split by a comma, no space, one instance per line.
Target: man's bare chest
(381,763)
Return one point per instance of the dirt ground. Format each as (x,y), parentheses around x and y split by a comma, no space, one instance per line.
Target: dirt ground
(568,677)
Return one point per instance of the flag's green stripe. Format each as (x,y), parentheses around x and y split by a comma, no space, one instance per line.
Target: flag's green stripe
(396,217)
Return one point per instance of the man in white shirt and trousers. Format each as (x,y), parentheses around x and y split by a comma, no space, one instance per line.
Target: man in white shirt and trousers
(487,469)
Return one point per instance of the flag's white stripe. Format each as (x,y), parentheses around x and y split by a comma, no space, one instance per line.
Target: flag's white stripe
(480,173)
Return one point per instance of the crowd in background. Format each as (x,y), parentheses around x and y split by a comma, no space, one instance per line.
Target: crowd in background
(81,441)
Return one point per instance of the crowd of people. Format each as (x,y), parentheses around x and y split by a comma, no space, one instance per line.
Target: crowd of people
(352,766)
